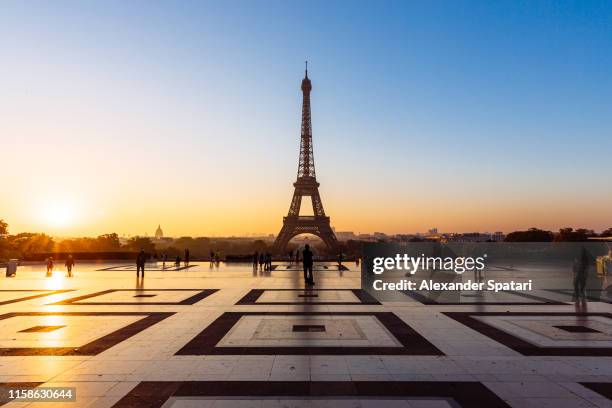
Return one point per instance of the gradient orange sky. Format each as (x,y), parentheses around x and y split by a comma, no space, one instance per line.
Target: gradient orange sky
(118,117)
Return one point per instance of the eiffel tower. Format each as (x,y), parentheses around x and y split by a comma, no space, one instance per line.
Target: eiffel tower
(306,185)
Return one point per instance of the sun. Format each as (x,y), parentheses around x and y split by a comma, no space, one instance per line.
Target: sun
(59,214)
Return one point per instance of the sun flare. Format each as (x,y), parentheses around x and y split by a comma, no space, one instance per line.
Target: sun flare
(58,214)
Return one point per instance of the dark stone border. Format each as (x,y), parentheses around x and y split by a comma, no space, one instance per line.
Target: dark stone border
(570,292)
(602,388)
(156,269)
(536,300)
(523,346)
(205,343)
(92,348)
(251,298)
(204,293)
(47,293)
(4,397)
(153,394)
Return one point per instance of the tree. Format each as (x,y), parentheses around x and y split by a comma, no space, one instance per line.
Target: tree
(108,242)
(29,243)
(138,243)
(531,235)
(3,227)
(606,233)
(571,235)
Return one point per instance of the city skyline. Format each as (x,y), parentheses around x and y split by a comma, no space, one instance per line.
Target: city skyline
(189,116)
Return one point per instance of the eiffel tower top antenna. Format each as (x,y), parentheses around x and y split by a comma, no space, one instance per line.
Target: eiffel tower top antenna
(306,62)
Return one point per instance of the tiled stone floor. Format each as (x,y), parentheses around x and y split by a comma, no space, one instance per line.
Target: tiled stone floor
(528,354)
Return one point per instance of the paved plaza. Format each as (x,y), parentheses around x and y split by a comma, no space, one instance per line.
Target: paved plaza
(226,336)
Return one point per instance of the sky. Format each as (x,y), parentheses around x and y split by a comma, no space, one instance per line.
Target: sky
(462,115)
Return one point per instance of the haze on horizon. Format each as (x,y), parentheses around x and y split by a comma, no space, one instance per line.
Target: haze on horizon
(465,116)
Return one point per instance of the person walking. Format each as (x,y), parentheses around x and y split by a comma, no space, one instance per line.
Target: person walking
(49,262)
(186,257)
(69,264)
(140,263)
(307,262)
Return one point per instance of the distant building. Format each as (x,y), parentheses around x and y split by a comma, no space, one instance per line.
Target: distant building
(477,237)
(498,236)
(159,234)
(432,231)
(366,237)
(345,235)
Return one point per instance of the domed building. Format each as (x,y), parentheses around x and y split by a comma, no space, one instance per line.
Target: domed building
(159,234)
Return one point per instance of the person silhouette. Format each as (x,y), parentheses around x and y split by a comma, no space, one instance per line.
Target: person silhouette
(186,257)
(255,259)
(261,261)
(141,258)
(307,263)
(268,261)
(581,266)
(49,261)
(69,264)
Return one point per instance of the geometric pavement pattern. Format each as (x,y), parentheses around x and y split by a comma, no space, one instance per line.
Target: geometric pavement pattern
(230,336)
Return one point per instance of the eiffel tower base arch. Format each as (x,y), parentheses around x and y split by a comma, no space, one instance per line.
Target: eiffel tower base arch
(296,225)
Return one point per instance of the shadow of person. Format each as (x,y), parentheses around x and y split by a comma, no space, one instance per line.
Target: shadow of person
(140,282)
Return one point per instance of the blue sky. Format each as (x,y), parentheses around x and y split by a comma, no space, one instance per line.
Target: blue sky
(468,115)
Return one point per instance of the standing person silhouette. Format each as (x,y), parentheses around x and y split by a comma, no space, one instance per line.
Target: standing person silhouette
(307,262)
(140,263)
(261,261)
(580,269)
(255,259)
(268,262)
(49,266)
(69,264)
(186,257)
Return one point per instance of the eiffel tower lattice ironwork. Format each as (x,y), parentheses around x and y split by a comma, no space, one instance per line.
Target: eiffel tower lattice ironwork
(306,185)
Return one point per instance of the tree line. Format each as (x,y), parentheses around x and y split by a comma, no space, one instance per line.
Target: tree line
(24,244)
(564,235)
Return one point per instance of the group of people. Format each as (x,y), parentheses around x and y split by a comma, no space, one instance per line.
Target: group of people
(164,259)
(292,258)
(263,260)
(50,262)
(141,260)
